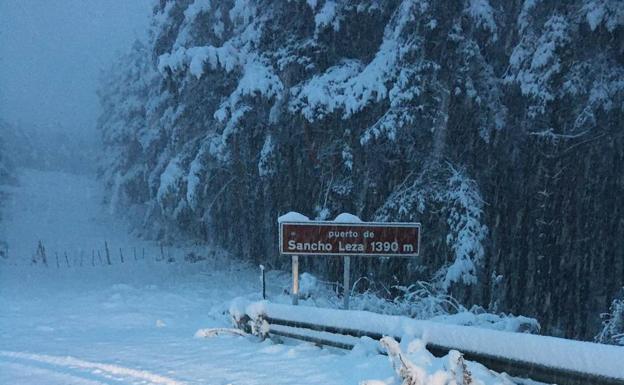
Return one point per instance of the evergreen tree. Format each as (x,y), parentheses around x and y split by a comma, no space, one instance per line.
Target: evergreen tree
(494,123)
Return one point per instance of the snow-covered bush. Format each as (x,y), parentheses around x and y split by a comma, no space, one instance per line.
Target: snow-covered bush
(421,300)
(308,285)
(425,301)
(414,365)
(613,324)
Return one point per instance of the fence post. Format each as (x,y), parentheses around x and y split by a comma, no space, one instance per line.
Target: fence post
(40,253)
(108,260)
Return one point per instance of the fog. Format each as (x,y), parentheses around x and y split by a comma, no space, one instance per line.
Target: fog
(52,53)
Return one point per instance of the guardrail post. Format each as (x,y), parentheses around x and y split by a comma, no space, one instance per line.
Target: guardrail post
(346,280)
(295,277)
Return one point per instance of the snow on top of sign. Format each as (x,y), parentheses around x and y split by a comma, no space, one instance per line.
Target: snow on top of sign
(347,218)
(292,216)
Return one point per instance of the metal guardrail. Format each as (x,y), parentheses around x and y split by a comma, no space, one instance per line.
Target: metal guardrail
(304,331)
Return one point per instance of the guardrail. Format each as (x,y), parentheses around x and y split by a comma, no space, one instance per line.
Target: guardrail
(539,358)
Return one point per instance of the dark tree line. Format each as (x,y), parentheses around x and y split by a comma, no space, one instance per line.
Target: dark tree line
(497,124)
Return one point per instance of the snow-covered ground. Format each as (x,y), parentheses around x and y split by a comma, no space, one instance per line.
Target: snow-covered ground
(131,323)
(82,321)
(61,329)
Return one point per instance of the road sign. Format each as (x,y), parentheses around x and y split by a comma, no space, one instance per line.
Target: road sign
(364,239)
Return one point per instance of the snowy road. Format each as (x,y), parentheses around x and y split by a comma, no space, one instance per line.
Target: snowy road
(132,323)
(144,334)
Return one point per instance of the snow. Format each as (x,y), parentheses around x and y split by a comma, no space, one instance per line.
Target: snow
(72,362)
(324,93)
(481,11)
(153,322)
(242,10)
(94,331)
(523,17)
(193,179)
(169,179)
(535,61)
(226,57)
(197,7)
(489,321)
(351,86)
(326,16)
(467,232)
(604,360)
(308,284)
(258,78)
(595,16)
(132,323)
(312,4)
(292,216)
(415,365)
(347,218)
(265,163)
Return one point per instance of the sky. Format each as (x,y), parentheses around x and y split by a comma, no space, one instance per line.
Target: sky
(52,53)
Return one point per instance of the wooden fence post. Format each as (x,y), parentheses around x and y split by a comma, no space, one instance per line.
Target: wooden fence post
(108,260)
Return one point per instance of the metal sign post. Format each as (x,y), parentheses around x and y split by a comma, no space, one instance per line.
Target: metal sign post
(295,278)
(346,280)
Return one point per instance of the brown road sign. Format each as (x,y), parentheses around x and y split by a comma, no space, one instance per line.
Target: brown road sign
(366,238)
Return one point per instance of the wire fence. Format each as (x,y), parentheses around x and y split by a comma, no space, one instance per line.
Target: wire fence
(106,255)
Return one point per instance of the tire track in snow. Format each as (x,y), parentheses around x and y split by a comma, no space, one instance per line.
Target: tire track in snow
(69,362)
(17,373)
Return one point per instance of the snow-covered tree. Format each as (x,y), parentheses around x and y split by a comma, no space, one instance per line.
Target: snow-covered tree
(234,112)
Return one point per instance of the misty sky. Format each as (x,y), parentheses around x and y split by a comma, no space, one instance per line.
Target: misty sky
(51,54)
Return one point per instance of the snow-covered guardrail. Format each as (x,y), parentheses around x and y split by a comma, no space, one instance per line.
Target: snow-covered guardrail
(541,358)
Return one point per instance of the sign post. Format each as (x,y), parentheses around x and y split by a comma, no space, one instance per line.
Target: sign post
(370,239)
(346,275)
(295,279)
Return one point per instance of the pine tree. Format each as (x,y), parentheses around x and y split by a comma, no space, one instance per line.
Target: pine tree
(494,123)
